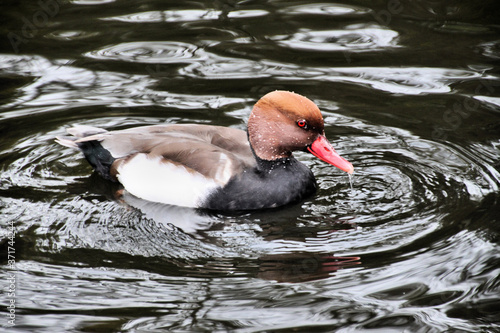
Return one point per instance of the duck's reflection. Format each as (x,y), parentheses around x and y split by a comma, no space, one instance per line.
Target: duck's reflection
(286,267)
(217,229)
(189,220)
(300,267)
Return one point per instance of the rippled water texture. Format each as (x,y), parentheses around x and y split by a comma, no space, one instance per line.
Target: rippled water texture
(410,92)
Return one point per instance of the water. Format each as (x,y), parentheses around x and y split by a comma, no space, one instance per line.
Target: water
(410,92)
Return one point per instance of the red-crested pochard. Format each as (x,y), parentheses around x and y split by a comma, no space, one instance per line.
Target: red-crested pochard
(215,167)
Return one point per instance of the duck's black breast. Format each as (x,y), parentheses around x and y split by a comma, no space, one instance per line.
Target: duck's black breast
(269,184)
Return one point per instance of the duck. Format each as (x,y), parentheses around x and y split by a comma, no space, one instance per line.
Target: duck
(214,167)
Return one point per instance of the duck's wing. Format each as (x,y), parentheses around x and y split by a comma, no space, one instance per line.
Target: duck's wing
(150,161)
(202,148)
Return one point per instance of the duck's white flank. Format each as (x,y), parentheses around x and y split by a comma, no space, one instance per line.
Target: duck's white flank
(156,180)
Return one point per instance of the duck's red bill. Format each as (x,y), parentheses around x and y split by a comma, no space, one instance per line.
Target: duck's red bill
(323,150)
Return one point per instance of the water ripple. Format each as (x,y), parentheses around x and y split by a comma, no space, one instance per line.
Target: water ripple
(411,246)
(72,35)
(228,68)
(238,14)
(150,52)
(353,38)
(408,81)
(328,9)
(60,86)
(181,15)
(91,2)
(395,80)
(491,49)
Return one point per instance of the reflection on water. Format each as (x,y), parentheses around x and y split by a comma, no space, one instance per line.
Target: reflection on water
(410,95)
(329,9)
(151,52)
(187,219)
(354,38)
(182,15)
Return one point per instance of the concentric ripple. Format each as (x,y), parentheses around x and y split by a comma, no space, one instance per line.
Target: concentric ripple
(150,52)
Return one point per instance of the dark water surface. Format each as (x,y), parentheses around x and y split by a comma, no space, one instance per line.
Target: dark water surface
(410,91)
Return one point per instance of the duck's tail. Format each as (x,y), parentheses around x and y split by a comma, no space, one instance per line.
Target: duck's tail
(98,157)
(78,132)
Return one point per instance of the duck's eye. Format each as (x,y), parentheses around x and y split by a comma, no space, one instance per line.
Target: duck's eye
(302,123)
